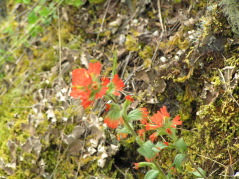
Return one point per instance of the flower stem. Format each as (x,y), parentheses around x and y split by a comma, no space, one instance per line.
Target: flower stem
(128,126)
(140,144)
(202,175)
(160,169)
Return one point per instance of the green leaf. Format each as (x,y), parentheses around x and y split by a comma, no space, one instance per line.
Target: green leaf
(147,164)
(159,146)
(197,174)
(124,130)
(135,115)
(115,113)
(147,151)
(139,140)
(44,12)
(114,64)
(151,174)
(32,17)
(178,160)
(181,145)
(35,30)
(126,104)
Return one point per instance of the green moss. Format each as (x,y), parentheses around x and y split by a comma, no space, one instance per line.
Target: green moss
(69,128)
(233,61)
(42,127)
(131,43)
(96,1)
(5,152)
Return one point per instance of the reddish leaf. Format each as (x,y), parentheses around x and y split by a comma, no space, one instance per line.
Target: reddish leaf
(112,122)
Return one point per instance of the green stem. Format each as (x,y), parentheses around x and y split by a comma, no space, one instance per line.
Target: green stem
(135,135)
(128,126)
(196,167)
(160,169)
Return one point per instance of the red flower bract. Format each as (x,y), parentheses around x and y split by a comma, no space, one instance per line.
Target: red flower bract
(94,68)
(81,77)
(176,121)
(129,98)
(113,123)
(119,84)
(136,166)
(107,107)
(168,130)
(145,113)
(86,84)
(141,133)
(158,119)
(153,137)
(121,136)
(166,143)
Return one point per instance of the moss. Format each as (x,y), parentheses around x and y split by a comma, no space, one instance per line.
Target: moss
(5,152)
(211,118)
(42,127)
(69,128)
(233,61)
(131,43)
(186,98)
(50,157)
(96,1)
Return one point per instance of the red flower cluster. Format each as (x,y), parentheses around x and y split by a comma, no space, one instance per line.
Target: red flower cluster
(157,121)
(87,85)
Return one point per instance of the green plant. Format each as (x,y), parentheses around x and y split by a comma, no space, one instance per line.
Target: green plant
(37,15)
(89,86)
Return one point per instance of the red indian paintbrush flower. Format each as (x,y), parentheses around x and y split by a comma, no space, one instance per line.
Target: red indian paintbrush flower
(162,120)
(158,119)
(86,84)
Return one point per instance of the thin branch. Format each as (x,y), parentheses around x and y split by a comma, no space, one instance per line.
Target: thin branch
(160,17)
(212,160)
(126,63)
(102,23)
(59,41)
(202,175)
